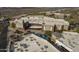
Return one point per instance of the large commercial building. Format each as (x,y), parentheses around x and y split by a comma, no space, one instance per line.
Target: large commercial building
(42,22)
(61,15)
(68,40)
(33,43)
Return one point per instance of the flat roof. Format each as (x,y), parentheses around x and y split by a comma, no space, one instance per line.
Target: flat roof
(71,40)
(39,19)
(33,43)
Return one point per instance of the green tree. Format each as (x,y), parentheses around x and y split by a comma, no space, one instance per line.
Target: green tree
(49,33)
(13,25)
(77,30)
(0,27)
